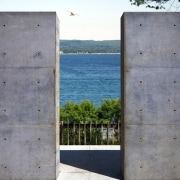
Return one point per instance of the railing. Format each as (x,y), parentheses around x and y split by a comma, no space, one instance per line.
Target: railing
(89,134)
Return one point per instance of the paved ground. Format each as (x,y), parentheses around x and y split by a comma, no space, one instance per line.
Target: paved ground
(90,162)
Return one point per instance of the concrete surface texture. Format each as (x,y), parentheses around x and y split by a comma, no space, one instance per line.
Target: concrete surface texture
(151,96)
(90,162)
(29,89)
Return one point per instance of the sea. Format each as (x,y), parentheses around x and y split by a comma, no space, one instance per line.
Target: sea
(93,77)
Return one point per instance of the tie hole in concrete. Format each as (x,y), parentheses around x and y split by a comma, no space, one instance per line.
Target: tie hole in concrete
(4,54)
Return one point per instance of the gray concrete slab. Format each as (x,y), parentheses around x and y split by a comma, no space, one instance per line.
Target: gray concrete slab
(28,88)
(29,37)
(91,162)
(29,95)
(150,96)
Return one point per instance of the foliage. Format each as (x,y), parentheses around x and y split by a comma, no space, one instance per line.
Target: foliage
(90,46)
(109,111)
(70,112)
(156,4)
(86,111)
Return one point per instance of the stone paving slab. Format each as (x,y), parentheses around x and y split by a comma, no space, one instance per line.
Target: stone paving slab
(90,162)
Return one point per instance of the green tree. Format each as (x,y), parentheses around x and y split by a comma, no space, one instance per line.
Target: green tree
(156,4)
(71,112)
(63,114)
(109,111)
(88,111)
(80,113)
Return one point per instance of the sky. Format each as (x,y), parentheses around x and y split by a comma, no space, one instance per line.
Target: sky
(96,20)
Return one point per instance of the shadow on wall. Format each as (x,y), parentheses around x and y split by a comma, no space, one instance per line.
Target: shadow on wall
(105,162)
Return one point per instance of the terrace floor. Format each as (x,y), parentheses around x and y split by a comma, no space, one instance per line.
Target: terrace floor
(92,162)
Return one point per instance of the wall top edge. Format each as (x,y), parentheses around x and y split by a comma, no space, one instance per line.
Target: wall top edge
(28,12)
(151,13)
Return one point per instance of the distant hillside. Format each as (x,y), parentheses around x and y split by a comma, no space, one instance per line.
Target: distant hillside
(90,46)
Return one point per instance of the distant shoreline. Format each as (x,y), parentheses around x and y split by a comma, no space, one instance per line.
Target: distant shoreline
(90,47)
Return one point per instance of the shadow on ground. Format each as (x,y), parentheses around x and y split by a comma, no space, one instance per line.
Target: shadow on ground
(105,162)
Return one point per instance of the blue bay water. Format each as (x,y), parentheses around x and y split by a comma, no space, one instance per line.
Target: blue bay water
(92,77)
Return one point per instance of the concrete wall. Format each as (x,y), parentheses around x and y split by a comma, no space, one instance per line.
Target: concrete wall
(29,96)
(151,96)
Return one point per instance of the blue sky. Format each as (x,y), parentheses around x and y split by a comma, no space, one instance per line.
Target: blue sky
(97,20)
